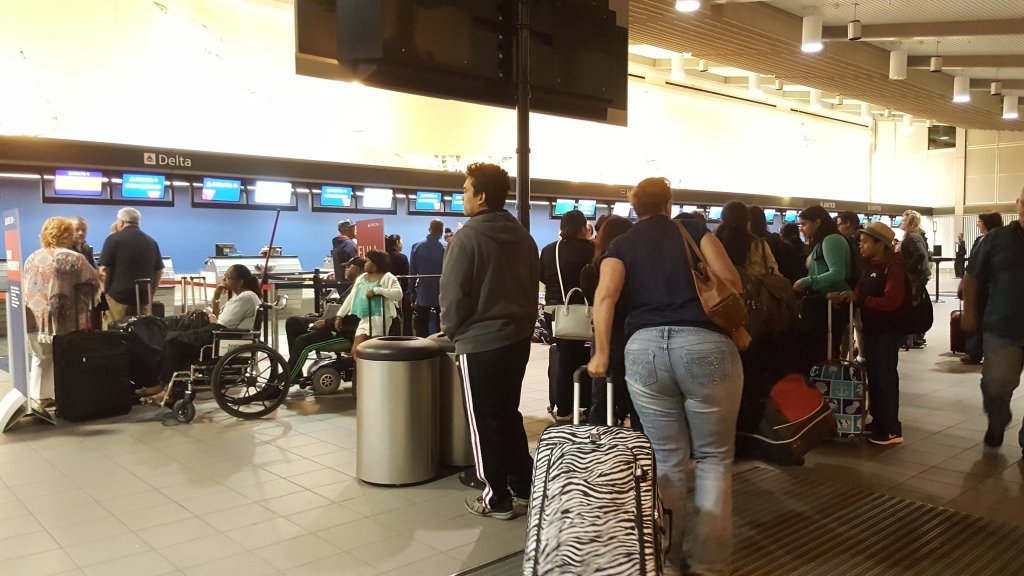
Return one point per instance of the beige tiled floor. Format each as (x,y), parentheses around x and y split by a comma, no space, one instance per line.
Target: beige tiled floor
(141,496)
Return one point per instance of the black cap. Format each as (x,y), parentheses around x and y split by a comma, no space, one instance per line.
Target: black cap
(357,261)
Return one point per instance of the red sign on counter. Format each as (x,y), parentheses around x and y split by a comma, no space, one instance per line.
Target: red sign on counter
(370,235)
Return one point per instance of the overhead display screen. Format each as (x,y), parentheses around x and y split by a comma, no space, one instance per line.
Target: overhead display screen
(456,203)
(429,201)
(79,183)
(562,206)
(336,196)
(143,186)
(689,208)
(790,216)
(268,192)
(715,213)
(220,190)
(378,198)
(769,214)
(588,207)
(621,209)
(675,210)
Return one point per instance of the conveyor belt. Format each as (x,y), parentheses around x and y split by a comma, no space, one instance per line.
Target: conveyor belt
(792,526)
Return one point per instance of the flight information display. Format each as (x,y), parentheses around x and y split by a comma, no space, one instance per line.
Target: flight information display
(621,209)
(715,213)
(676,209)
(562,206)
(588,207)
(143,186)
(378,198)
(269,192)
(790,216)
(220,190)
(81,183)
(429,201)
(336,196)
(456,203)
(769,214)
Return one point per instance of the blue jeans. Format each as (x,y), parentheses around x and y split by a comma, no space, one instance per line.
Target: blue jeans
(882,352)
(1000,376)
(686,385)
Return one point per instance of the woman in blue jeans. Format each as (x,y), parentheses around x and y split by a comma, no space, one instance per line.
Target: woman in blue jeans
(684,375)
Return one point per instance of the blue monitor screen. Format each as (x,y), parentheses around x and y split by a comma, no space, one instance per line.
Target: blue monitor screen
(429,201)
(456,204)
(897,221)
(862,218)
(588,207)
(715,213)
(145,186)
(219,190)
(562,206)
(769,214)
(78,183)
(336,196)
(790,216)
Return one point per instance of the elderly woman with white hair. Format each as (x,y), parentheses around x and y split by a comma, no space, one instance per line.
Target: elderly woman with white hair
(127,256)
(51,276)
(914,248)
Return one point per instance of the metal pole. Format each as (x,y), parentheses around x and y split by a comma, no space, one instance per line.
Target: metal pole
(523,116)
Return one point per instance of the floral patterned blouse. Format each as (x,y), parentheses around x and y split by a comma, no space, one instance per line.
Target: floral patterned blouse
(49,277)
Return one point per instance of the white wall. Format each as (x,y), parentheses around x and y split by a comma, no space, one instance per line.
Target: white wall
(995,167)
(218,75)
(905,171)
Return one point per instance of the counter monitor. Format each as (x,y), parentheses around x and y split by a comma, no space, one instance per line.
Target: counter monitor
(715,213)
(336,196)
(588,207)
(428,201)
(378,199)
(143,186)
(621,209)
(769,215)
(78,183)
(562,206)
(790,216)
(455,204)
(220,190)
(269,192)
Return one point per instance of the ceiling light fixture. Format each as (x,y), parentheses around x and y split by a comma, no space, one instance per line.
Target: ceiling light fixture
(898,65)
(755,84)
(702,66)
(961,89)
(815,99)
(678,67)
(887,113)
(854,30)
(779,85)
(908,120)
(936,64)
(687,5)
(1010,104)
(811,36)
(929,123)
(997,88)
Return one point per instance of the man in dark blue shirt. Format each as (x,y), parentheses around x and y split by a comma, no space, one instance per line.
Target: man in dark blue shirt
(998,268)
(427,259)
(344,250)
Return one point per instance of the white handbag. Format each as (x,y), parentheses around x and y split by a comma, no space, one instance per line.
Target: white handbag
(571,321)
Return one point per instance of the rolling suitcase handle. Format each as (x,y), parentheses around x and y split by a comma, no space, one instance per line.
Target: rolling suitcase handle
(138,295)
(829,305)
(610,404)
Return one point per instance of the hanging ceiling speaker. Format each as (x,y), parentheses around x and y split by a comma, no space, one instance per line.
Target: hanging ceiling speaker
(936,64)
(997,88)
(854,30)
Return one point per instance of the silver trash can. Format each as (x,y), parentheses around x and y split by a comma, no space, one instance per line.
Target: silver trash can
(397,411)
(456,443)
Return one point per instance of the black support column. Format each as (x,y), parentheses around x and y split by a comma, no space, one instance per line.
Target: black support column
(523,115)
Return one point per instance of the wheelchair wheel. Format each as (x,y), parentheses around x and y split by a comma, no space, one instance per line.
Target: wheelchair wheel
(326,381)
(250,382)
(184,411)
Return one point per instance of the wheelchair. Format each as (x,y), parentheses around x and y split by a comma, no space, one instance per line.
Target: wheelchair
(333,366)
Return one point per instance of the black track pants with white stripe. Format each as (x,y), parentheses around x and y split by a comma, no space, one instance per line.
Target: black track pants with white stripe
(493,383)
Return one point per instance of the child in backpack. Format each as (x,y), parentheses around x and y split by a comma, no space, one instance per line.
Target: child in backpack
(882,296)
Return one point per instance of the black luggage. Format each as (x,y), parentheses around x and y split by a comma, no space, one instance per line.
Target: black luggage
(594,504)
(146,336)
(91,374)
(957,336)
(796,418)
(552,378)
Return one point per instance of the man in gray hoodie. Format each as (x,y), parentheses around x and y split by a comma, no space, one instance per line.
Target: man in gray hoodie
(489,287)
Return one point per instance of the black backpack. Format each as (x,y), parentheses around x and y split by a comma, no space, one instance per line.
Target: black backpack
(857,263)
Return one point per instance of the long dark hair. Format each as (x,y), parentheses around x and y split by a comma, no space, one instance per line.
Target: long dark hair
(826,228)
(380,259)
(758,222)
(249,282)
(733,233)
(391,243)
(611,228)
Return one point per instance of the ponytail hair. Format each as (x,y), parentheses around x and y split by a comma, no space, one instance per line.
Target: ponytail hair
(249,282)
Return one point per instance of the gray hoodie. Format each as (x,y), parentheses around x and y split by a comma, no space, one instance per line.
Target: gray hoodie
(489,284)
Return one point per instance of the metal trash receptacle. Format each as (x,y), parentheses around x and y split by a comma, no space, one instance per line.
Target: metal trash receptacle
(456,443)
(397,412)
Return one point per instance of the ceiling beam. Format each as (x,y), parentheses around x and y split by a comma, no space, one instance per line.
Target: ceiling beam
(986,85)
(872,32)
(969,61)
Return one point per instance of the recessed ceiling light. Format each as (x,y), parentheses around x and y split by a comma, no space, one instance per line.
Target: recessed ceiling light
(687,5)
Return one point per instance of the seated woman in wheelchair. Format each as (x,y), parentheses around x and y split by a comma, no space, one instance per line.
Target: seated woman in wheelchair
(185,342)
(372,299)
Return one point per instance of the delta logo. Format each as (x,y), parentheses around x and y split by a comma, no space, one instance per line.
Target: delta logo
(154,159)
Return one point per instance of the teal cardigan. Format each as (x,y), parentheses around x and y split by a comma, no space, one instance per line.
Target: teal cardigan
(828,275)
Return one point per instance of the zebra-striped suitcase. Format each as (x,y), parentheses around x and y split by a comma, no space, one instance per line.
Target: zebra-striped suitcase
(594,505)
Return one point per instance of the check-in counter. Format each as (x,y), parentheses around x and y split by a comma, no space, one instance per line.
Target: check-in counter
(166,292)
(216,266)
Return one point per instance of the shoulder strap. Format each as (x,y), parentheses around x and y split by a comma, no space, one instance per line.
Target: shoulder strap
(558,269)
(689,245)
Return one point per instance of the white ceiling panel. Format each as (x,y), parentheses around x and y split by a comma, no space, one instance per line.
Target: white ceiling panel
(838,13)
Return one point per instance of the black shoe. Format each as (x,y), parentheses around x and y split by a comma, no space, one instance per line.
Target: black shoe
(993,438)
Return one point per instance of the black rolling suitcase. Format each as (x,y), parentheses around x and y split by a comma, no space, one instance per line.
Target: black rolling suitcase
(91,374)
(594,503)
(146,336)
(552,378)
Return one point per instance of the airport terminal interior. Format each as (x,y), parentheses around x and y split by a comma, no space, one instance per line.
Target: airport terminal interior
(281,147)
